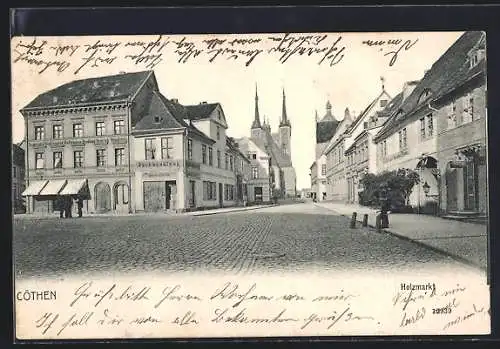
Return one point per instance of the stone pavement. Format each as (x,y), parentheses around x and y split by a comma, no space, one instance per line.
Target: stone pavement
(300,238)
(466,242)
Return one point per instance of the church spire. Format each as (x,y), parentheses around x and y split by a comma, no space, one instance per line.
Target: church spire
(256,121)
(284,116)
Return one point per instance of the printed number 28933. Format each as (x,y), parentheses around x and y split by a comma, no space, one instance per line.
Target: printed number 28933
(444,310)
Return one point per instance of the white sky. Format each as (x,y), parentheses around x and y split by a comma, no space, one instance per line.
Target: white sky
(353,82)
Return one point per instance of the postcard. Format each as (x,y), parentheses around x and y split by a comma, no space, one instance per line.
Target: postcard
(250,185)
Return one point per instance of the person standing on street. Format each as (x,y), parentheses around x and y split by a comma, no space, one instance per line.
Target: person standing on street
(80,206)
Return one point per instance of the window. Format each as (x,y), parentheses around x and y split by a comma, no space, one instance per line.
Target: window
(204,153)
(210,157)
(402,139)
(452,117)
(167,148)
(383,102)
(422,128)
(209,190)
(255,172)
(471,107)
(39,160)
(119,127)
(218,159)
(157,119)
(218,132)
(254,156)
(226,161)
(228,192)
(39,132)
(384,148)
(150,148)
(101,157)
(323,170)
(57,131)
(119,156)
(14,171)
(99,128)
(365,124)
(190,149)
(121,194)
(468,114)
(231,163)
(284,149)
(241,165)
(78,158)
(77,130)
(430,125)
(57,156)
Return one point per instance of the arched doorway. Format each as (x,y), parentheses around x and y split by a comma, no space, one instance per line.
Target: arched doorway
(428,188)
(102,197)
(121,196)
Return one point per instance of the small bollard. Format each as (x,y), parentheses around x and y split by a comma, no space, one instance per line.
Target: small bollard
(378,221)
(353,220)
(365,220)
(384,220)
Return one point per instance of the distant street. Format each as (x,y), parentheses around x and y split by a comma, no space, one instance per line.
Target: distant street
(282,238)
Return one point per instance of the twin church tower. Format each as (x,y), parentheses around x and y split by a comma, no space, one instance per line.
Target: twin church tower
(262,131)
(277,145)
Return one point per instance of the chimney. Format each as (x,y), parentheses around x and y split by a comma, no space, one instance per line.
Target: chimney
(204,102)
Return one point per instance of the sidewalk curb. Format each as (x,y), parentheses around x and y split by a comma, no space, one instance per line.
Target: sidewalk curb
(202,213)
(417,242)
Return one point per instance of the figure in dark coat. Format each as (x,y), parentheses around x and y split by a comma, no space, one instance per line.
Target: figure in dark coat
(80,206)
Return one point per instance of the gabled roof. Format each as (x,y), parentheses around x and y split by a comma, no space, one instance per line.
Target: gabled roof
(447,73)
(366,111)
(92,90)
(200,111)
(234,146)
(170,115)
(158,116)
(270,146)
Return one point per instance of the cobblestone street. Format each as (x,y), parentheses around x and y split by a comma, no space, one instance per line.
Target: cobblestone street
(282,238)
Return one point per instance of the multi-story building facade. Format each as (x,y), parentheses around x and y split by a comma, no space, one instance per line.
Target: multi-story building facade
(335,161)
(425,120)
(461,134)
(360,152)
(122,146)
(18,183)
(325,129)
(260,183)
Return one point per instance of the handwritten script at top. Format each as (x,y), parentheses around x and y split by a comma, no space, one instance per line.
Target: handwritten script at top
(89,53)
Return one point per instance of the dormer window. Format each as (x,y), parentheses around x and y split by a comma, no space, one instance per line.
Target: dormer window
(157,118)
(475,56)
(424,95)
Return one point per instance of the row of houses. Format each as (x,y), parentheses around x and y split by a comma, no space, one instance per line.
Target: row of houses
(120,145)
(436,126)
